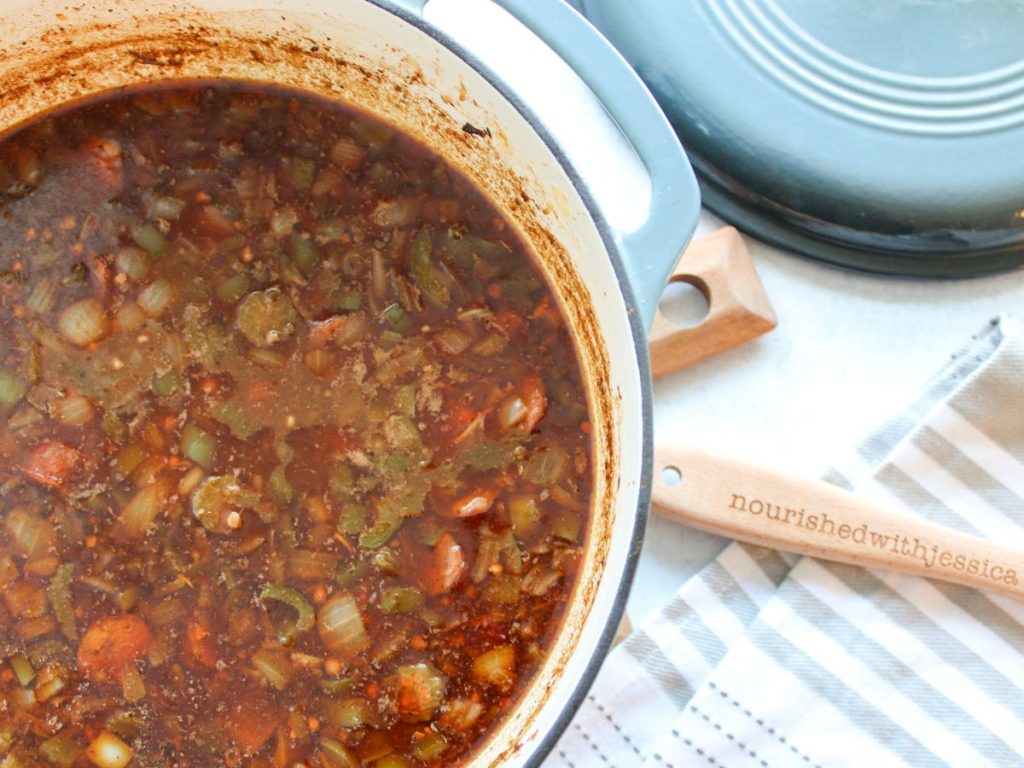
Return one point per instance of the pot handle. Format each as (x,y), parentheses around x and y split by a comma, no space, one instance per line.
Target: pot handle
(651,252)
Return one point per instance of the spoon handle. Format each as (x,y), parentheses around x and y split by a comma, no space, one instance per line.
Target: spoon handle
(758,505)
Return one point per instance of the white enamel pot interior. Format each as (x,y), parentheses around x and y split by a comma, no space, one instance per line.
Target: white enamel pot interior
(385,60)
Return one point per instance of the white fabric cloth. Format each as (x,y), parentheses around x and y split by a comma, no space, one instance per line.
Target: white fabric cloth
(765,659)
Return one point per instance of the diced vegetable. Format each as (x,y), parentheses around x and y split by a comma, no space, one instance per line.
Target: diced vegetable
(283,221)
(400,600)
(30,536)
(133,687)
(418,691)
(396,213)
(301,172)
(12,388)
(59,594)
(447,567)
(164,207)
(83,323)
(22,668)
(156,298)
(129,317)
(352,712)
(473,504)
(200,643)
(108,751)
(267,317)
(168,385)
(461,715)
(51,463)
(73,410)
(149,239)
(347,153)
(565,524)
(496,667)
(274,666)
(429,746)
(111,644)
(61,750)
(233,288)
(305,617)
(393,761)
(305,253)
(242,425)
(546,466)
(424,273)
(199,445)
(341,626)
(134,262)
(140,514)
(43,297)
(525,514)
(218,502)
(386,524)
(338,755)
(305,565)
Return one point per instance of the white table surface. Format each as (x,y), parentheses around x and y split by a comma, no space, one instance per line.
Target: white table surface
(850,349)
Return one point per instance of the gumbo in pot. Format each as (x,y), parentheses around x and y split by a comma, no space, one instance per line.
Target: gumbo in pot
(294,450)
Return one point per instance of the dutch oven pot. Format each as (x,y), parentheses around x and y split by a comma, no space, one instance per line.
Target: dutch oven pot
(386,59)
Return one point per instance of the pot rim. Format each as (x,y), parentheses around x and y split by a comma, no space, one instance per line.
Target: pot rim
(639,336)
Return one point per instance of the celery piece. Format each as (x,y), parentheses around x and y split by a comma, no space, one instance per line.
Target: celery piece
(198,445)
(12,388)
(305,616)
(149,239)
(423,271)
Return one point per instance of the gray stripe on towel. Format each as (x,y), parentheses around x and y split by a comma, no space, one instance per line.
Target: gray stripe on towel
(941,709)
(915,497)
(997,495)
(851,704)
(731,593)
(649,655)
(773,564)
(944,644)
(689,622)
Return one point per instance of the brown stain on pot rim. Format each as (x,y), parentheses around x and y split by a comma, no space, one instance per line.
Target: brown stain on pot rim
(79,52)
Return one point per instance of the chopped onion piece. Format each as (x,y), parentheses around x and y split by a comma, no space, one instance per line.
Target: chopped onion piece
(133,262)
(83,322)
(129,317)
(73,410)
(341,626)
(511,413)
(496,667)
(108,751)
(156,298)
(139,514)
(396,213)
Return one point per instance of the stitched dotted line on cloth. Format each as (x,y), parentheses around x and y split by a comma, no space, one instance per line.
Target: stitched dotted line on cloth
(718,727)
(691,745)
(615,725)
(592,743)
(771,731)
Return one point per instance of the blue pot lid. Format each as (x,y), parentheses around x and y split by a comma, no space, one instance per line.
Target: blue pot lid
(882,135)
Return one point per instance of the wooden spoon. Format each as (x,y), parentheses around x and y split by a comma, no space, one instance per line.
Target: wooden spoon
(760,505)
(756,504)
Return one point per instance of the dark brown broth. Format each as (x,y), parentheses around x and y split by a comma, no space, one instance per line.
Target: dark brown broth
(268,364)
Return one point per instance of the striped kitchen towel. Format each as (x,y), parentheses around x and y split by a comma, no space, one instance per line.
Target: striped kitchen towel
(765,659)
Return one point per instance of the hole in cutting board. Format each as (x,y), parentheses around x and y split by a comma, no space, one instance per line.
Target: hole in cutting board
(671,476)
(683,304)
